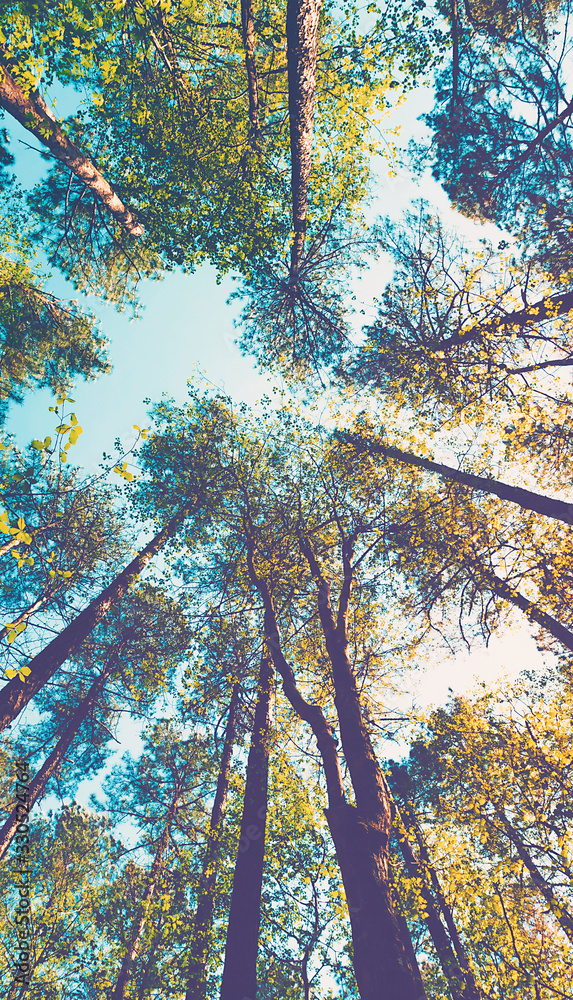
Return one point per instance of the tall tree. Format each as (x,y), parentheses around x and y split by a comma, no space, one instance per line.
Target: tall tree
(202,922)
(240,968)
(276,546)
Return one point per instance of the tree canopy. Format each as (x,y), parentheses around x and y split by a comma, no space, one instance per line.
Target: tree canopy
(219,782)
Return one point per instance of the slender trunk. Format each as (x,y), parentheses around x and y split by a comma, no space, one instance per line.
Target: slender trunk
(564,918)
(25,615)
(441,941)
(528,500)
(16,694)
(382,961)
(533,612)
(240,970)
(248,30)
(200,937)
(456,969)
(146,973)
(32,112)
(38,784)
(455,63)
(302,46)
(382,958)
(445,909)
(138,927)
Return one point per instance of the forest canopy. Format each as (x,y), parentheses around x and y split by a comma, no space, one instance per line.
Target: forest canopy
(218,779)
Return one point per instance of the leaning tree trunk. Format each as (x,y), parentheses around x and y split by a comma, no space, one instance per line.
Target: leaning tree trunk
(138,927)
(39,781)
(472,990)
(558,509)
(16,694)
(382,957)
(461,981)
(32,112)
(199,947)
(557,908)
(302,46)
(531,610)
(240,968)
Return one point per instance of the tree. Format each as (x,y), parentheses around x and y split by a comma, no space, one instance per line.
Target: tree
(45,342)
(136,648)
(34,114)
(300,501)
(170,771)
(463,331)
(74,857)
(18,692)
(489,785)
(501,133)
(202,923)
(240,968)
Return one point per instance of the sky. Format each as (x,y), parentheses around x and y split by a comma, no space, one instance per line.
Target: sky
(186,326)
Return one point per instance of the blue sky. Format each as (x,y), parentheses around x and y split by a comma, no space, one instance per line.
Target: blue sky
(186,325)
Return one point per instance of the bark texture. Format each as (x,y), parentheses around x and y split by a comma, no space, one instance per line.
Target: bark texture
(248,31)
(240,970)
(16,694)
(199,947)
(32,112)
(55,758)
(302,46)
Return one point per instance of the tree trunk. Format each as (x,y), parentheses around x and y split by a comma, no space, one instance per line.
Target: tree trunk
(461,981)
(558,910)
(533,612)
(302,45)
(138,927)
(455,65)
(472,988)
(32,112)
(382,960)
(16,694)
(248,30)
(199,947)
(557,509)
(240,969)
(361,833)
(53,761)
(23,616)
